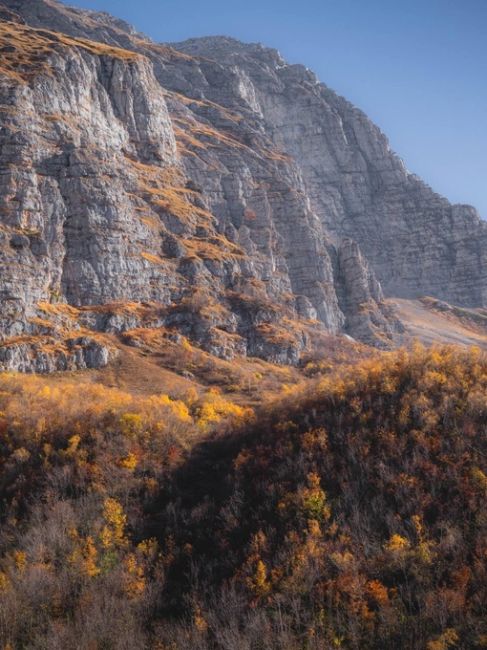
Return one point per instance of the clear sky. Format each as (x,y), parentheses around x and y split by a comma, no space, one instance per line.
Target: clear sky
(418,68)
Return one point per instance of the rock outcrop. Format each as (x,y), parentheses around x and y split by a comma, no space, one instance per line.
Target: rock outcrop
(207,188)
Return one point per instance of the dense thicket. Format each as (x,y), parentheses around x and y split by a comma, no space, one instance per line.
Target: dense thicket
(352,516)
(79,465)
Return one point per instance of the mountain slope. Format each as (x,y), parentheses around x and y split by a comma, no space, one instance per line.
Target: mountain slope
(207,189)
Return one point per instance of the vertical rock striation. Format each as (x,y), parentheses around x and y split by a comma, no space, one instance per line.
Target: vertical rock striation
(207,187)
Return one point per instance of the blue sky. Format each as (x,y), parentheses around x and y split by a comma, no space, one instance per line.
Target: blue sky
(418,68)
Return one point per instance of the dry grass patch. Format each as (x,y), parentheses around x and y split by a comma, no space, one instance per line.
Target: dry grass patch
(25,50)
(217,248)
(168,52)
(164,187)
(154,259)
(59,309)
(278,334)
(205,103)
(207,136)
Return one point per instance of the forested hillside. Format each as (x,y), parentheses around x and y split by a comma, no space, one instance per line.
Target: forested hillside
(349,514)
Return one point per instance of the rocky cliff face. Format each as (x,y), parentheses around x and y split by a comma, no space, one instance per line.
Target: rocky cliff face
(415,241)
(207,189)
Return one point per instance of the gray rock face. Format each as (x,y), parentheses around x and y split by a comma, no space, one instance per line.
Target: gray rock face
(208,188)
(414,240)
(46,356)
(368,317)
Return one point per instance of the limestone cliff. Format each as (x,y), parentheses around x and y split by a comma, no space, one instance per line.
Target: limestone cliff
(206,188)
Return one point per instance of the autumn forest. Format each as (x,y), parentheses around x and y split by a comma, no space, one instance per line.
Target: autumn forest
(348,513)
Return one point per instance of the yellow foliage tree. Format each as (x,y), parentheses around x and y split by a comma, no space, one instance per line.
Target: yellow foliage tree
(259,583)
(397,544)
(113,533)
(129,462)
(85,556)
(446,640)
(313,499)
(131,424)
(135,580)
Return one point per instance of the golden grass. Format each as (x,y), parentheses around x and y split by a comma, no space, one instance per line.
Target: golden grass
(175,200)
(41,322)
(277,334)
(166,51)
(184,138)
(206,136)
(213,248)
(250,381)
(149,336)
(151,222)
(101,49)
(21,339)
(153,259)
(25,50)
(118,307)
(274,154)
(153,172)
(59,309)
(205,103)
(184,151)
(164,187)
